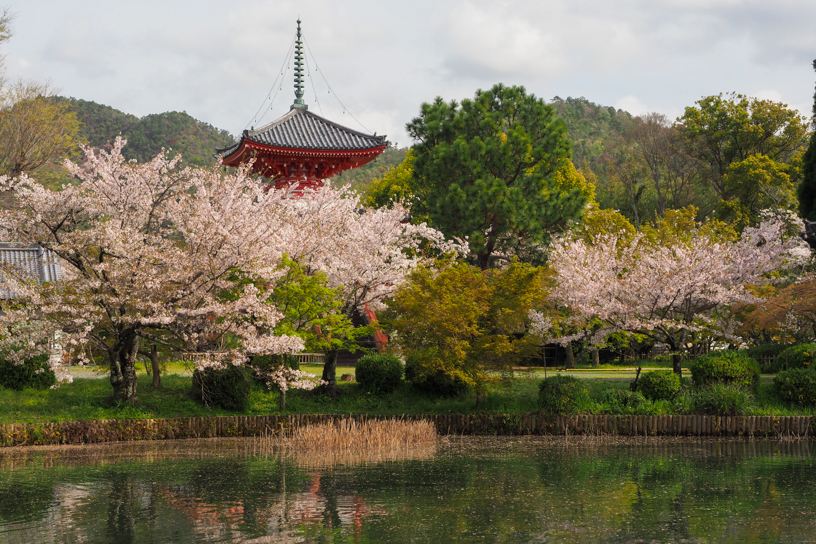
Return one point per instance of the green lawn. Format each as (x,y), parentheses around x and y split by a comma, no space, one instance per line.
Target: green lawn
(86,399)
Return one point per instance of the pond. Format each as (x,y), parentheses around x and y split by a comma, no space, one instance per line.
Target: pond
(468,489)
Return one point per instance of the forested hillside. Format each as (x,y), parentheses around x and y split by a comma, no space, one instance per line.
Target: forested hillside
(592,128)
(195,140)
(146,136)
(641,166)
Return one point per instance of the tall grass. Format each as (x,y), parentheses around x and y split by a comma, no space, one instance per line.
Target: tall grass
(348,442)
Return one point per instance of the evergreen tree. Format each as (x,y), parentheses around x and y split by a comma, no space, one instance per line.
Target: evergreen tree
(807,189)
(497,171)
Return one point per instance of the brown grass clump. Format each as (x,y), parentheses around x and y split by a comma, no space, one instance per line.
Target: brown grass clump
(351,442)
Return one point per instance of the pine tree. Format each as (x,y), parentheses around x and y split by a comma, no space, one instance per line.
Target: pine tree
(496,170)
(807,190)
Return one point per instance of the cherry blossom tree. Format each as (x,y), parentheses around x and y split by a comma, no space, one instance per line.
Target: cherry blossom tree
(284,378)
(188,258)
(666,288)
(150,253)
(364,253)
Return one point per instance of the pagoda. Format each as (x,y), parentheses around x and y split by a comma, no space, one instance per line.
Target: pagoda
(301,149)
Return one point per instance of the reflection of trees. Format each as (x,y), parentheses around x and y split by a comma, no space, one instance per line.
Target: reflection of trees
(677,492)
(721,491)
(121,508)
(21,500)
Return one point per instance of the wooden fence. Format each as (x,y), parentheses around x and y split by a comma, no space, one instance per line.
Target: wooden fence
(114,430)
(303,358)
(310,358)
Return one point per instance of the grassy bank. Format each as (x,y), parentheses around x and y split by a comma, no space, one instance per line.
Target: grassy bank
(85,399)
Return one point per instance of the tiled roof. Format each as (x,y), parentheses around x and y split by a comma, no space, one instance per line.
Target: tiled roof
(302,129)
(40,264)
(227,151)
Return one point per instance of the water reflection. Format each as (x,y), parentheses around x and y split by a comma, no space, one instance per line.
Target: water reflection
(467,490)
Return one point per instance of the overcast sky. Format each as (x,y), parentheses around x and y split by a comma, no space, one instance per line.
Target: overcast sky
(218,60)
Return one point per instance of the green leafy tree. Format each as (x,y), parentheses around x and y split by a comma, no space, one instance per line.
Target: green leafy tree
(722,130)
(467,322)
(755,184)
(497,171)
(34,130)
(35,133)
(807,189)
(626,187)
(313,311)
(673,174)
(394,186)
(362,177)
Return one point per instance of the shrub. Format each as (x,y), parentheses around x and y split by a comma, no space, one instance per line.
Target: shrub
(620,401)
(562,395)
(720,399)
(798,356)
(428,374)
(682,402)
(797,385)
(765,355)
(625,402)
(725,367)
(227,387)
(34,373)
(379,372)
(659,384)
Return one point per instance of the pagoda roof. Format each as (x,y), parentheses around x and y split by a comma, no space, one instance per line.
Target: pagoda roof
(302,129)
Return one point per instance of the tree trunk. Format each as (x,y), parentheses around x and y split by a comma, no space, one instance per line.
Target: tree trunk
(677,363)
(570,356)
(123,367)
(479,399)
(154,364)
(329,375)
(282,401)
(595,360)
(330,367)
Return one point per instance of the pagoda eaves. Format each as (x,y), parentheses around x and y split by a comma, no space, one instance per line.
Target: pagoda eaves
(302,145)
(301,149)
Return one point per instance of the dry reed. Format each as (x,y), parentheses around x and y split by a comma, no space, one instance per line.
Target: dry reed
(351,442)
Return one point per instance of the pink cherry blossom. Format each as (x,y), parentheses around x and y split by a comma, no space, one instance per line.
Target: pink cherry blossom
(151,252)
(665,291)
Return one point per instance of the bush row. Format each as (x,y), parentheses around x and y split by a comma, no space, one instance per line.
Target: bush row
(724,383)
(565,395)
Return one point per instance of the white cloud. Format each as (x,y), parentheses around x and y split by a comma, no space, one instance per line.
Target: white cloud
(632,104)
(494,41)
(218,60)
(768,94)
